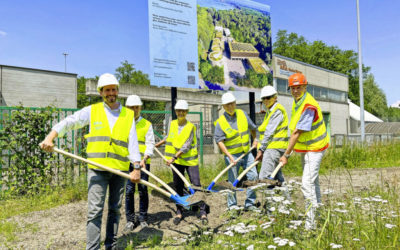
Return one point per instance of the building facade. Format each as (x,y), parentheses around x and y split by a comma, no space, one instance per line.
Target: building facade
(37,88)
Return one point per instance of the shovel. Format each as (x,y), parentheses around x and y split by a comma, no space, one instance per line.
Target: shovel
(236,182)
(186,182)
(272,176)
(173,195)
(209,188)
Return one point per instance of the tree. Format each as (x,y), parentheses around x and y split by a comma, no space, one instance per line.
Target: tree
(333,58)
(128,74)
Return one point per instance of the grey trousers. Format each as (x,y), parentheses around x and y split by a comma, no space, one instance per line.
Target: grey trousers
(99,182)
(269,162)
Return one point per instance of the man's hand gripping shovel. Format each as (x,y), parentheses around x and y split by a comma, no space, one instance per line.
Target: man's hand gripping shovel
(209,188)
(171,194)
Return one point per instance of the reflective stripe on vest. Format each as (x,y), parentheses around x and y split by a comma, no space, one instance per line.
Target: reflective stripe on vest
(142,127)
(176,140)
(236,141)
(279,139)
(106,147)
(315,139)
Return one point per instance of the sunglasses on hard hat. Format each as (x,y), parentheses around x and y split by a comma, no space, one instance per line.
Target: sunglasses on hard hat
(267,97)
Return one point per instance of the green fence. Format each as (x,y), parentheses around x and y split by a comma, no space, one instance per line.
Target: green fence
(74,140)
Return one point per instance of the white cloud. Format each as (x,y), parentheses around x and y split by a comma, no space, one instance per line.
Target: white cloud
(3,33)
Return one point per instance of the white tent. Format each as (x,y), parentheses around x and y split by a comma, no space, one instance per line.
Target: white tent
(354,111)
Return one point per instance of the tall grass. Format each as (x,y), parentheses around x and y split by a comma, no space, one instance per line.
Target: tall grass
(378,155)
(368,219)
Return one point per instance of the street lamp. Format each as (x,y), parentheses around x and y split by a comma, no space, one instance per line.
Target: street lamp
(360,76)
(65,61)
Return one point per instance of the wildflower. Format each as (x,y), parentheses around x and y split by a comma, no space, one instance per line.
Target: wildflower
(278,198)
(272,209)
(229,233)
(283,211)
(271,247)
(356,239)
(349,222)
(207,233)
(333,245)
(251,247)
(340,204)
(219,242)
(390,226)
(344,211)
(296,222)
(291,243)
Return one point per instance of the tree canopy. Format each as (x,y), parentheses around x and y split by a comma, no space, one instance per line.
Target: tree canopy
(333,58)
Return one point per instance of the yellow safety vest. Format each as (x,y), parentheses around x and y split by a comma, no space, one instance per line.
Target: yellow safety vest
(106,147)
(315,140)
(175,141)
(142,127)
(236,141)
(280,137)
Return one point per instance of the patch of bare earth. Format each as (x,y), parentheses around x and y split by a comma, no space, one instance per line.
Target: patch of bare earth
(64,227)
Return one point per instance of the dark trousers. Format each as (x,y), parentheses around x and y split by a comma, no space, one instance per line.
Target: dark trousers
(143,197)
(194,176)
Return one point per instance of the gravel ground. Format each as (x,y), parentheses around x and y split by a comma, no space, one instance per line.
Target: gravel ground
(63,227)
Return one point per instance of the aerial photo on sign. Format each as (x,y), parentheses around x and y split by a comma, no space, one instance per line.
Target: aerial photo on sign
(234,44)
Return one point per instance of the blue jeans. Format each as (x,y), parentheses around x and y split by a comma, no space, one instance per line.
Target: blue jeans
(143,197)
(233,173)
(99,181)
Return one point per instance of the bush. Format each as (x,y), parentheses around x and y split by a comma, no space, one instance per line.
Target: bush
(29,169)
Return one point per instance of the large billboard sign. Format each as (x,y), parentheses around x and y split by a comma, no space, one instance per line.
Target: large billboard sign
(230,50)
(173,37)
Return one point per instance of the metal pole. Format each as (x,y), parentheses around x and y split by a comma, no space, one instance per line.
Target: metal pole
(65,61)
(252,107)
(174,95)
(360,76)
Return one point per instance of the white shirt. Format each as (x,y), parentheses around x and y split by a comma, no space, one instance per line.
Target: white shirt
(81,118)
(149,140)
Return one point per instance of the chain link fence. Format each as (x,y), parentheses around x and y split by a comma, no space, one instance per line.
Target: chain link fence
(68,170)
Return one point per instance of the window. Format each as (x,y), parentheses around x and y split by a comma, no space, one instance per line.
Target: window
(282,85)
(316,91)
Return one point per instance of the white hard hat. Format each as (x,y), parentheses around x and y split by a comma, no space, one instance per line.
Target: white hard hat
(105,80)
(133,100)
(267,91)
(228,98)
(182,104)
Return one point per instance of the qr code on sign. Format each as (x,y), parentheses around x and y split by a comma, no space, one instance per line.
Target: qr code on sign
(191,80)
(190,66)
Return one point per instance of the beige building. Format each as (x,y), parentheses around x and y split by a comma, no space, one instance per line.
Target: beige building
(329,88)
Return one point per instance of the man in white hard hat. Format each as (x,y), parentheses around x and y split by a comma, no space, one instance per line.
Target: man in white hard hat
(145,134)
(232,136)
(181,150)
(111,141)
(273,134)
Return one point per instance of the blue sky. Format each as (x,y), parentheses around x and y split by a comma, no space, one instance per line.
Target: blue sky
(98,35)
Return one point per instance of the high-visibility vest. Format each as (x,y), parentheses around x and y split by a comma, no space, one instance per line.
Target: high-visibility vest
(142,127)
(176,140)
(317,138)
(280,137)
(236,141)
(106,147)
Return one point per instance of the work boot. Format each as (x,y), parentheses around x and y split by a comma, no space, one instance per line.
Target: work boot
(130,226)
(143,224)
